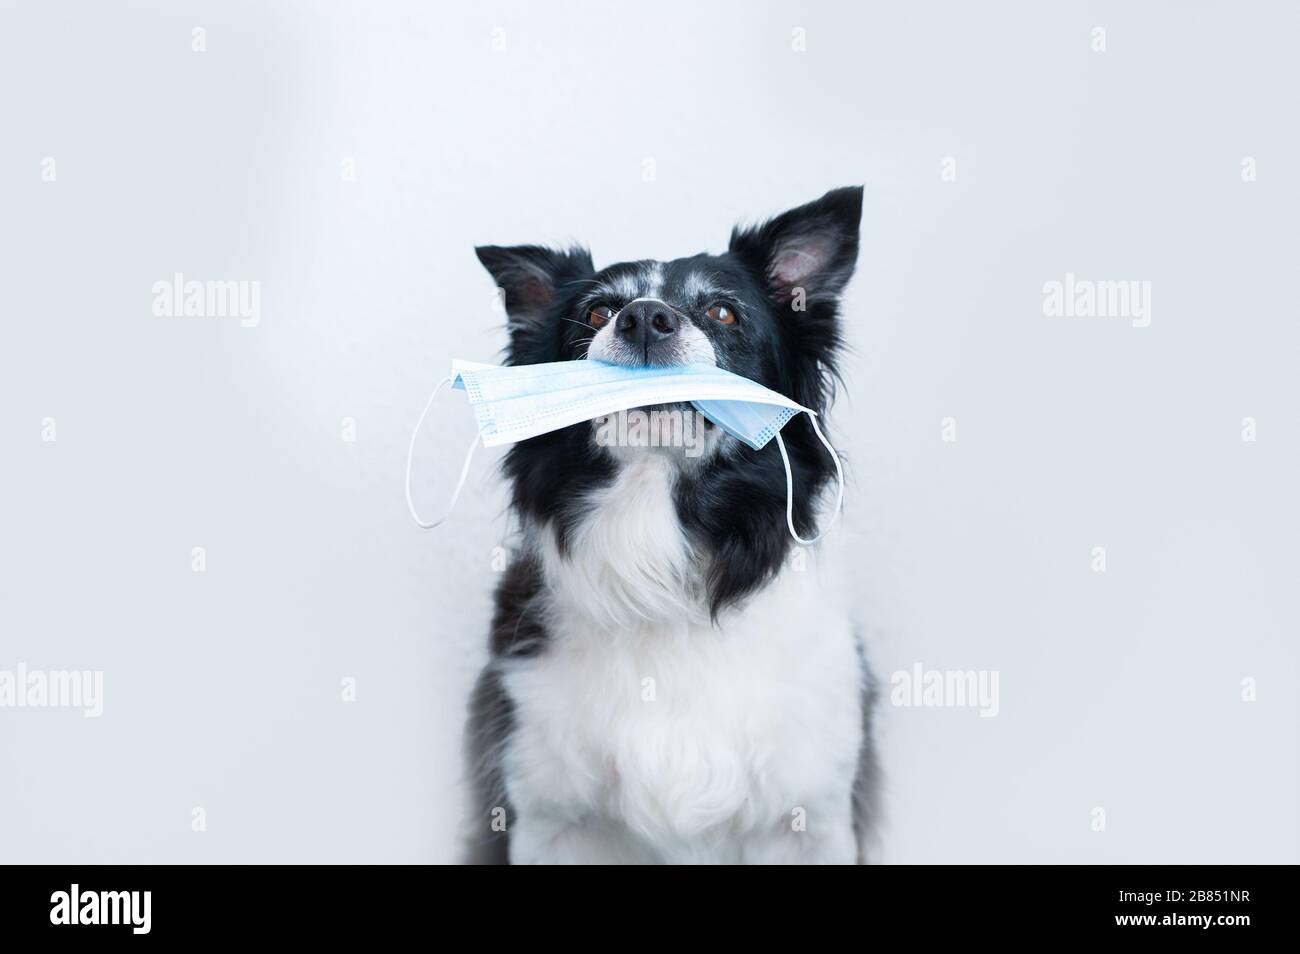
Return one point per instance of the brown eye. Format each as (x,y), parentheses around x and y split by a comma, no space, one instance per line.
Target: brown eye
(599,315)
(722,314)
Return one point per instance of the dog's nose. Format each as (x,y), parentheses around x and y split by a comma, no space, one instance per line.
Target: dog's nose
(646,322)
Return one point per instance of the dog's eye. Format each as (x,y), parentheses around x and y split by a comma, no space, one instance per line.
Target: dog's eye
(599,315)
(722,315)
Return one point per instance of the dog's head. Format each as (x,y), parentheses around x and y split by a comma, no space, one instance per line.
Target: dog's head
(766,309)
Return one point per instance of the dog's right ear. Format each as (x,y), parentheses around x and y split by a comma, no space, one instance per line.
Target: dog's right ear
(811,249)
(531,280)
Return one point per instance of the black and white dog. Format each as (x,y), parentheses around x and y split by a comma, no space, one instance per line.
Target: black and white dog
(666,683)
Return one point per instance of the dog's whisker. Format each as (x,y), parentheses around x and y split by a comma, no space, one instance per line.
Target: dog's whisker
(580,324)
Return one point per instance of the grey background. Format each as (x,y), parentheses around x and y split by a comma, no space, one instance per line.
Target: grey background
(1119,690)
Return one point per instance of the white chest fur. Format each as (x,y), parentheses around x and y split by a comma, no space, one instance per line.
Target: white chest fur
(646,733)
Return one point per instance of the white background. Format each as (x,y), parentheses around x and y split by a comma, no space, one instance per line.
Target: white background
(1120,690)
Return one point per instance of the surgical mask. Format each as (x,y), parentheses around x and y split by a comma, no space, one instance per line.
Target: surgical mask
(515,402)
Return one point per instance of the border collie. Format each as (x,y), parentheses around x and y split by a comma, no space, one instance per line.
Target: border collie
(669,682)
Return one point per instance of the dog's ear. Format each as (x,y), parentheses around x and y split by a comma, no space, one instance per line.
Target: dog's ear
(532,280)
(805,255)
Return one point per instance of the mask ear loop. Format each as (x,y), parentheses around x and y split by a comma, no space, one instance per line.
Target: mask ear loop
(410,456)
(789,484)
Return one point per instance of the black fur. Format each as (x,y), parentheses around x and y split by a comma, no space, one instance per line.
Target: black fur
(866,780)
(517,633)
(783,279)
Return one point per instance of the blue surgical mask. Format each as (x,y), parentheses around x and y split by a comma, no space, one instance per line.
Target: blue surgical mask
(513,403)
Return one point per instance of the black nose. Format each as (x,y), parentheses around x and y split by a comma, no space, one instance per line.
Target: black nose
(645,323)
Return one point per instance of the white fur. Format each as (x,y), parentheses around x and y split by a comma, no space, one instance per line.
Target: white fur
(630,562)
(697,286)
(645,733)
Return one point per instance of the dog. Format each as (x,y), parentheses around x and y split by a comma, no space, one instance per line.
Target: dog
(665,685)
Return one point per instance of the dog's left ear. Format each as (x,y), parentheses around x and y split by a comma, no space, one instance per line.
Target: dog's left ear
(533,280)
(806,254)
(529,276)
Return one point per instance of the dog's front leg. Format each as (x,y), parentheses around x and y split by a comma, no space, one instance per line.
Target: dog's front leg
(811,838)
(542,840)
